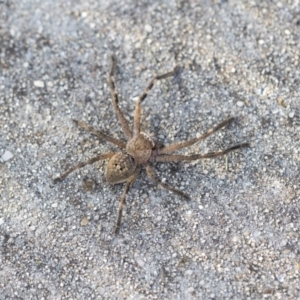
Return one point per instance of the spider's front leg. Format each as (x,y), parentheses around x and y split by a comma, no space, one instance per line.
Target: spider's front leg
(100,134)
(176,158)
(137,112)
(179,145)
(115,99)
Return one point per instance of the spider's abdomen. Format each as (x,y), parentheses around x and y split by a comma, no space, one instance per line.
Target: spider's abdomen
(119,168)
(140,147)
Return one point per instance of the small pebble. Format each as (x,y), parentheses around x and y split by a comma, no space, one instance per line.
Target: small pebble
(291,114)
(148,28)
(140,262)
(7,155)
(240,103)
(38,83)
(84,221)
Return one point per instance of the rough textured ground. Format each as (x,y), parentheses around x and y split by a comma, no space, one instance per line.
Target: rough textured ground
(238,236)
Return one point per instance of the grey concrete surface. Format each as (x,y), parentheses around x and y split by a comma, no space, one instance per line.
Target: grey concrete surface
(238,236)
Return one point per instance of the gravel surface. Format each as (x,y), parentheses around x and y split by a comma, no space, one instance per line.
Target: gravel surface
(238,236)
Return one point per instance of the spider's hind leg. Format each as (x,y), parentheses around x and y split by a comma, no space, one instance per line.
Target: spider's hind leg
(83,164)
(129,182)
(152,176)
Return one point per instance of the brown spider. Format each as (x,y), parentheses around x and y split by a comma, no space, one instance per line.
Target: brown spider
(140,150)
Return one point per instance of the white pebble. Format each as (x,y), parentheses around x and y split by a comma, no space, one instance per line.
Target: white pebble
(39,83)
(240,103)
(84,14)
(291,114)
(7,155)
(140,262)
(148,28)
(189,272)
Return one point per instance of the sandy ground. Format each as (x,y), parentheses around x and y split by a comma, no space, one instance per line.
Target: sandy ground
(238,236)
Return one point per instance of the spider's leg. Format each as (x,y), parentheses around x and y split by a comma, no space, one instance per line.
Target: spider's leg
(115,100)
(175,158)
(177,146)
(152,176)
(129,182)
(83,164)
(99,134)
(137,112)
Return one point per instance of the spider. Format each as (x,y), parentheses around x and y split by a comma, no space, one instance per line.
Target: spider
(140,150)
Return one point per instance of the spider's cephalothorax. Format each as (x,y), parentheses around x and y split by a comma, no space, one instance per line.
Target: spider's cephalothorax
(140,148)
(140,151)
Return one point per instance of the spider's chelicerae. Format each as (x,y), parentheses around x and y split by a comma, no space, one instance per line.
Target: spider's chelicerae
(141,151)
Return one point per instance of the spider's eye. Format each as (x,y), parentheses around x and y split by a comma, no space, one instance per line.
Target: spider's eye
(119,168)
